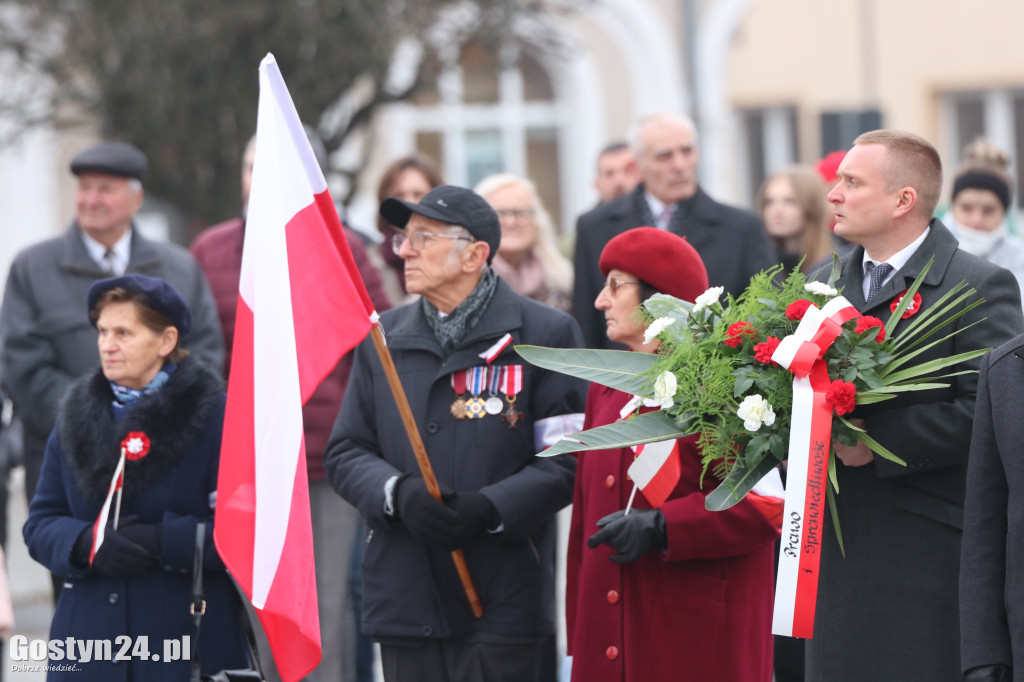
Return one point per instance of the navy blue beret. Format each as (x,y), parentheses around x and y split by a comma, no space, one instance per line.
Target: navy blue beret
(156,293)
(111,158)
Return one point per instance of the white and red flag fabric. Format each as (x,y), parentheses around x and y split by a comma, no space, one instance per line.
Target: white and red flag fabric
(656,470)
(99,527)
(301,306)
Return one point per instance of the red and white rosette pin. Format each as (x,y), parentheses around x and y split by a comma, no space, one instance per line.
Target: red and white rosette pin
(135,445)
(810,439)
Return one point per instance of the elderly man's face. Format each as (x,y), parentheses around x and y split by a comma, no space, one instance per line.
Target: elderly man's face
(105,204)
(434,267)
(668,160)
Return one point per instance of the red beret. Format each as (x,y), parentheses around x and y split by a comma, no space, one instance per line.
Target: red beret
(664,260)
(828,166)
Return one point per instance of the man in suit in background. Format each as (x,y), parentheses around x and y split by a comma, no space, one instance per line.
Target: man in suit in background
(887,611)
(731,242)
(992,572)
(616,172)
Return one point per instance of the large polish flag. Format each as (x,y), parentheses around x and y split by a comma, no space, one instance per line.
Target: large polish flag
(301,306)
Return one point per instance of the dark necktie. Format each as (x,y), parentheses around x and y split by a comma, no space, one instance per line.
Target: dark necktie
(878,273)
(108,262)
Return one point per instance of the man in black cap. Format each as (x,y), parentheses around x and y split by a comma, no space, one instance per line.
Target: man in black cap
(483,413)
(47,338)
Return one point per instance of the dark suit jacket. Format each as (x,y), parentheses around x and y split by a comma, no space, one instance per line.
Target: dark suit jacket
(992,566)
(731,241)
(888,610)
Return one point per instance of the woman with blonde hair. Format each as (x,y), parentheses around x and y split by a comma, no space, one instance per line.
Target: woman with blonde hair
(797,216)
(528,258)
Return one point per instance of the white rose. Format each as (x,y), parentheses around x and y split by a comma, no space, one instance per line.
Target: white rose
(657,327)
(820,288)
(665,389)
(755,411)
(707,298)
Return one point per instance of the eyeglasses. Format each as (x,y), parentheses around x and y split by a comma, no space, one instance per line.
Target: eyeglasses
(613,284)
(515,214)
(418,240)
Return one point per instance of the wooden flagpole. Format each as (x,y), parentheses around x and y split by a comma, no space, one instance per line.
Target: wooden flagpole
(421,458)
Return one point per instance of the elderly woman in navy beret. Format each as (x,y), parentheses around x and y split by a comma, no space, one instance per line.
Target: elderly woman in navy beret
(677,592)
(165,410)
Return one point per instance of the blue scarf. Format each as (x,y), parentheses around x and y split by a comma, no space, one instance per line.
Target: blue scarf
(125,397)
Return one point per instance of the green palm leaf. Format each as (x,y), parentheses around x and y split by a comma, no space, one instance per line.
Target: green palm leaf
(738,483)
(649,427)
(618,369)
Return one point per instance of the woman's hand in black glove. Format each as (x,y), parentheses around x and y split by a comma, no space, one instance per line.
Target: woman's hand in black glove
(631,535)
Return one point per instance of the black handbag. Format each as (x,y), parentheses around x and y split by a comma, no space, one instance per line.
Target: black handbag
(254,673)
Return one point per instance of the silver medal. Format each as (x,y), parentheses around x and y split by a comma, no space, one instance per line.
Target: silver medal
(494,405)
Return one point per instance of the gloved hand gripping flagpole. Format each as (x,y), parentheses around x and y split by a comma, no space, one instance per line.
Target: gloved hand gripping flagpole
(421,458)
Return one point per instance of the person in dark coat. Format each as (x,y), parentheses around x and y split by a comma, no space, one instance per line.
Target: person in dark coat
(483,414)
(731,242)
(887,611)
(991,567)
(47,339)
(218,250)
(163,411)
(677,592)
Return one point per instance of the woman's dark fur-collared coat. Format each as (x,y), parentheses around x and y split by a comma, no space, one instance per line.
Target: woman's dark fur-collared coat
(174,485)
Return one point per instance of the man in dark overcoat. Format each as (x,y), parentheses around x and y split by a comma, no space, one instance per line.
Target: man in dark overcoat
(483,413)
(991,567)
(731,242)
(887,611)
(48,341)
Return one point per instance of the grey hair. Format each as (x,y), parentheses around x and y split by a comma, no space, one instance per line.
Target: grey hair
(636,131)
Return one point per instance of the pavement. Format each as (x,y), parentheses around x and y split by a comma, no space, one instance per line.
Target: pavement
(29,584)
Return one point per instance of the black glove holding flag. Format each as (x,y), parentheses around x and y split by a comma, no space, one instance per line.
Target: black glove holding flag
(989,673)
(631,535)
(149,536)
(425,517)
(477,513)
(117,556)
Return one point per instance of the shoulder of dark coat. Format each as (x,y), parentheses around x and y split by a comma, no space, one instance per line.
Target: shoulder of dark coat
(1011,351)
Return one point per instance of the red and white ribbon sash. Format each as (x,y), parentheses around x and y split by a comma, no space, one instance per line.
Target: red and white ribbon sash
(810,439)
(99,527)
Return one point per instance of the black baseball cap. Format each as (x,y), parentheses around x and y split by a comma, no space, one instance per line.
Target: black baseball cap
(111,158)
(453,205)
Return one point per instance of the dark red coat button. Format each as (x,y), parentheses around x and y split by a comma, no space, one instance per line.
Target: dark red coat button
(612,653)
(610,481)
(613,597)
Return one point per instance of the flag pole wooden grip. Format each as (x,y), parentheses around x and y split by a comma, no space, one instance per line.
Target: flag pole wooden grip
(421,458)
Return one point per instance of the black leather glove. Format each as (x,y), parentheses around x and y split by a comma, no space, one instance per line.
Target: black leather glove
(631,535)
(425,517)
(117,556)
(989,673)
(477,513)
(149,536)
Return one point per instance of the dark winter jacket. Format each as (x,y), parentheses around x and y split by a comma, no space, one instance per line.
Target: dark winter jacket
(173,485)
(410,589)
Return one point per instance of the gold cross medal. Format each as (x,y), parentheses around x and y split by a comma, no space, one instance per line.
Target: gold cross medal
(459,409)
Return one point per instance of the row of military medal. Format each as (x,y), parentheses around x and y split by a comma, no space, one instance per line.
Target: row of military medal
(469,386)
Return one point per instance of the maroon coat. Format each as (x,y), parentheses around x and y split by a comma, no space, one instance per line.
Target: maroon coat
(219,252)
(700,611)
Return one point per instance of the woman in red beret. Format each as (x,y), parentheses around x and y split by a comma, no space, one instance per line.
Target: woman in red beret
(677,592)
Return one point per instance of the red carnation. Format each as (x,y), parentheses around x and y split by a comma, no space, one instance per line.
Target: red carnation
(867,322)
(736,331)
(842,396)
(795,310)
(763,351)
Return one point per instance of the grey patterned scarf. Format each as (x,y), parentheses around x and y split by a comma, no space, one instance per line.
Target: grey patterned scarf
(452,329)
